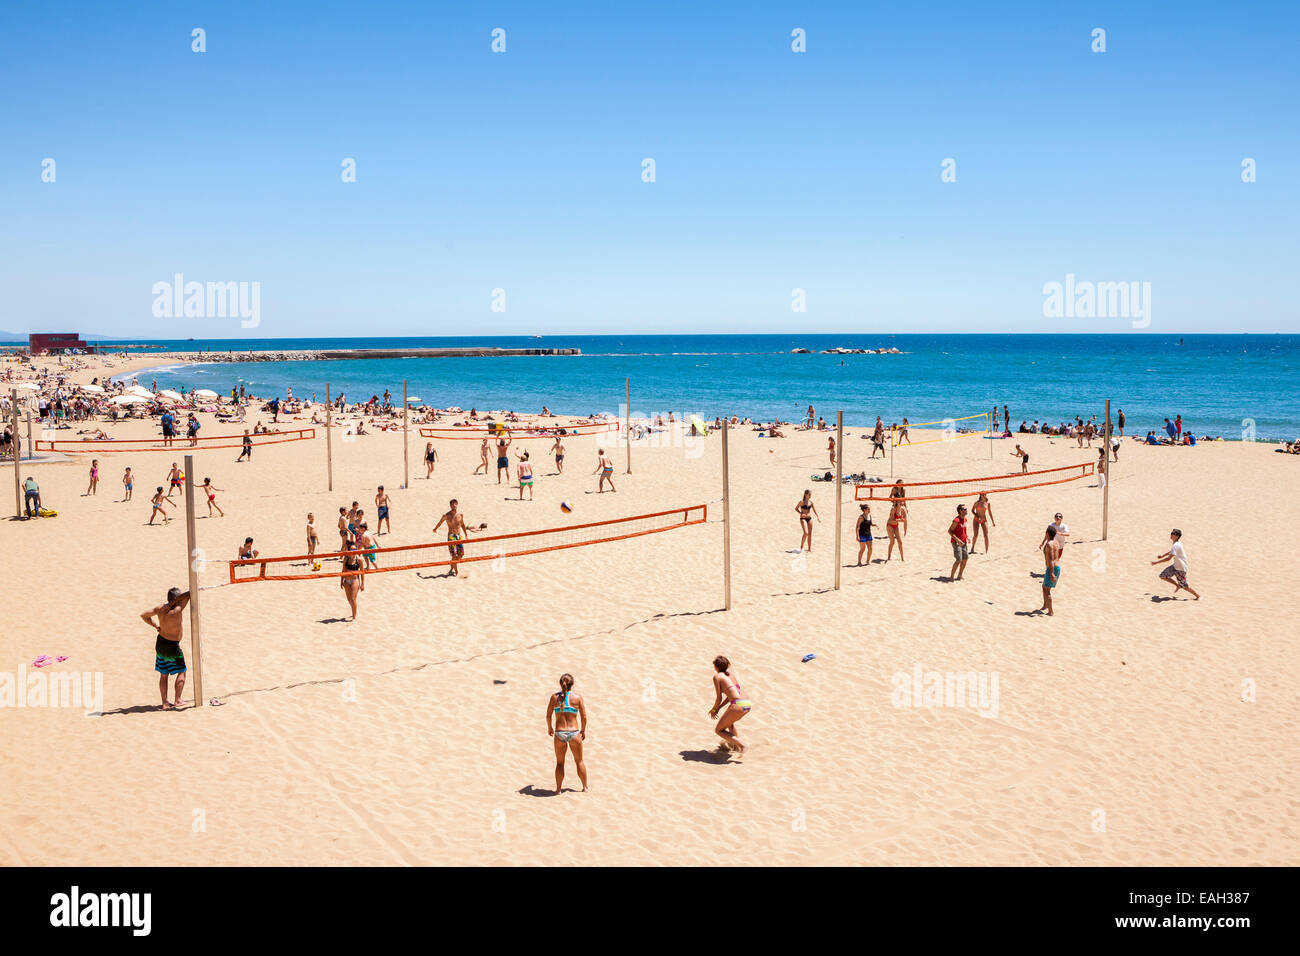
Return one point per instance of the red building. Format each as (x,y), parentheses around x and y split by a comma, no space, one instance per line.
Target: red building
(41,343)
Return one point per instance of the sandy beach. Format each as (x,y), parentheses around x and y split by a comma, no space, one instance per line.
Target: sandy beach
(1128,729)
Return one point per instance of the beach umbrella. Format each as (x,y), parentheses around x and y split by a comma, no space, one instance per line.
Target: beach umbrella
(204,393)
(168,394)
(412,399)
(141,391)
(29,386)
(90,388)
(130,400)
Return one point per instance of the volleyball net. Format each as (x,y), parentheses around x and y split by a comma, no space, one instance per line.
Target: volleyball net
(518,431)
(104,446)
(968,426)
(302,567)
(972,487)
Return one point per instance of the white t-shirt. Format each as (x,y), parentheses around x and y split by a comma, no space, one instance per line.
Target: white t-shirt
(1061,528)
(1180,556)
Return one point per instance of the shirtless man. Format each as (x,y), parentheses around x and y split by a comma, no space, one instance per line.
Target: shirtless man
(503,457)
(605,466)
(558,448)
(168,658)
(174,482)
(1024,458)
(525,476)
(343,528)
(454,519)
(381,503)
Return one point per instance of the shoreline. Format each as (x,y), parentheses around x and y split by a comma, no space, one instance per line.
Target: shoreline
(174,362)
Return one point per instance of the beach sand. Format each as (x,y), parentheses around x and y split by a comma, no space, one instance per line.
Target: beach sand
(1129,729)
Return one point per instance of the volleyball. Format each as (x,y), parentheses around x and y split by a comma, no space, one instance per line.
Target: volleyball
(565,507)
(315,565)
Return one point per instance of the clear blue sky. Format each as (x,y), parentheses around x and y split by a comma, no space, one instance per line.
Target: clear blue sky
(522,170)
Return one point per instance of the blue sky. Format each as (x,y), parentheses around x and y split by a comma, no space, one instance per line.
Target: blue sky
(522,170)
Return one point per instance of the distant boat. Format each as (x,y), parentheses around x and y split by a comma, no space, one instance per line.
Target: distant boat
(537,336)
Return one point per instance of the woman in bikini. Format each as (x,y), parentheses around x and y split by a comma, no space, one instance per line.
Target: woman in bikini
(805,509)
(727,690)
(897,515)
(564,710)
(982,509)
(211,491)
(900,493)
(350,579)
(483,451)
(864,533)
(430,458)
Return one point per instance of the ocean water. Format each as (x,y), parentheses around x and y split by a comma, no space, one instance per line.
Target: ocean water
(1229,385)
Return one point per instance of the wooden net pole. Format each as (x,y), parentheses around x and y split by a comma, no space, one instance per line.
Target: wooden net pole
(406,443)
(18,485)
(329,439)
(193,552)
(839,490)
(627,421)
(1105,477)
(726,520)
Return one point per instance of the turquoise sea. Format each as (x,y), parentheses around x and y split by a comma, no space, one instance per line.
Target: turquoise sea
(1221,384)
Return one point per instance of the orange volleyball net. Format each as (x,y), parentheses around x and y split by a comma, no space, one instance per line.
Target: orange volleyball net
(970,487)
(473,548)
(106,446)
(518,431)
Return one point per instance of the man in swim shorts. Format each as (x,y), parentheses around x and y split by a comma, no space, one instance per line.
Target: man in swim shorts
(1176,573)
(525,476)
(175,481)
(456,532)
(168,658)
(381,503)
(605,466)
(957,535)
(503,457)
(558,448)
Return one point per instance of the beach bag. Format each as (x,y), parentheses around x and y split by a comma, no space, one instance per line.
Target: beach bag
(47,513)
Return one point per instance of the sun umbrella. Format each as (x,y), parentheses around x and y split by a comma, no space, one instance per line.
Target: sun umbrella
(130,400)
(204,393)
(412,399)
(168,394)
(141,391)
(30,386)
(90,388)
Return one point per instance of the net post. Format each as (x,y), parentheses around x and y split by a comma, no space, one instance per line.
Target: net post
(839,490)
(406,443)
(627,421)
(195,646)
(31,449)
(18,493)
(726,519)
(1105,469)
(329,440)
(990,431)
